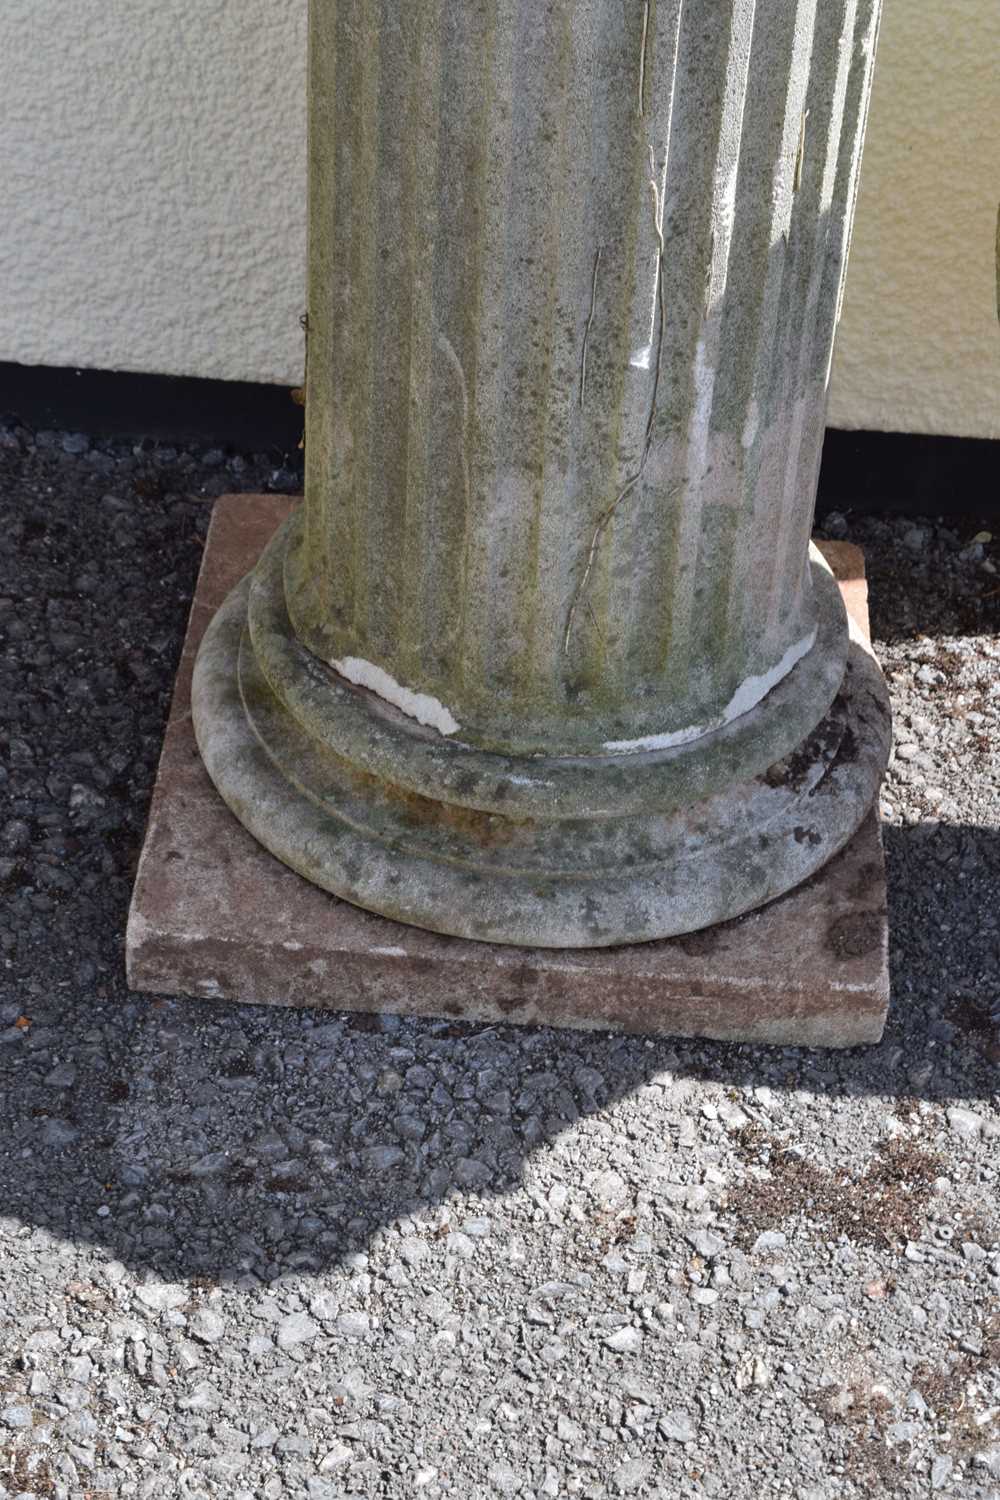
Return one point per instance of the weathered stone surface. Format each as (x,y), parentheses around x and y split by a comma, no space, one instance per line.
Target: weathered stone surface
(535,875)
(215,916)
(596,270)
(542,659)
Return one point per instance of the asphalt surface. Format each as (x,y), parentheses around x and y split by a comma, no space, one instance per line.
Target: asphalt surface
(249,1252)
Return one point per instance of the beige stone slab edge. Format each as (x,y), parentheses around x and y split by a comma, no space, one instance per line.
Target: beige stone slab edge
(216,917)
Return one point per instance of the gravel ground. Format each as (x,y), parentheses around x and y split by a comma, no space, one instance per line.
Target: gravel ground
(255,1253)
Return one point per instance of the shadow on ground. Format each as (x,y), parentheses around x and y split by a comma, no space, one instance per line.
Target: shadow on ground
(209,1140)
(201,1140)
(927,579)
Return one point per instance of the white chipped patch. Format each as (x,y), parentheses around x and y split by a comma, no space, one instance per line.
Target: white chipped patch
(750,693)
(420,706)
(746,697)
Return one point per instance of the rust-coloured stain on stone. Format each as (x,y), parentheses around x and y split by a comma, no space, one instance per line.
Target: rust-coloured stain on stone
(485,829)
(215,916)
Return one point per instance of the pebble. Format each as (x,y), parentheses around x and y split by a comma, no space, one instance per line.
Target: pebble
(295,1328)
(770,1239)
(384,1158)
(351,1325)
(324,1306)
(15,835)
(413,1250)
(632,1475)
(609,1190)
(204,1397)
(61,1077)
(58,1133)
(335,1458)
(210,1165)
(965,1122)
(707,1243)
(160,1295)
(504,1479)
(625,1341)
(678,1426)
(941,1470)
(207,1326)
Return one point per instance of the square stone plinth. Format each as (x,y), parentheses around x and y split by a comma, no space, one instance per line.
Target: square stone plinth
(215,916)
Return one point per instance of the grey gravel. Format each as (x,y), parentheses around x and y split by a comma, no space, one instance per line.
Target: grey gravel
(274,1253)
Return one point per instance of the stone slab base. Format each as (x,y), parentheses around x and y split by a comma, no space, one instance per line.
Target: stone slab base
(215,916)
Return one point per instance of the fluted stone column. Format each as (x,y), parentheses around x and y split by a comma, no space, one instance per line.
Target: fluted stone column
(543,657)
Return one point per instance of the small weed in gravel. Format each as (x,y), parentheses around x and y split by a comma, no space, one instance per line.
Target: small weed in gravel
(886,1205)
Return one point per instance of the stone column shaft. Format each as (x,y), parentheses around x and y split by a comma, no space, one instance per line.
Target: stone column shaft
(558,476)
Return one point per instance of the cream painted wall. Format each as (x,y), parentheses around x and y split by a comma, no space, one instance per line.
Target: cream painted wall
(152,201)
(151,185)
(919,345)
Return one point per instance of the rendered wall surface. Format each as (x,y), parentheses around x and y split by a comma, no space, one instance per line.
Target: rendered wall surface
(152,201)
(919,345)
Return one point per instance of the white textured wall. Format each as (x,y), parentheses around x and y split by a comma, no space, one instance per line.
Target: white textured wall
(151,185)
(152,200)
(919,347)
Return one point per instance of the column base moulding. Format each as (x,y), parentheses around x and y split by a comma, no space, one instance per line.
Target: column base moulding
(370,807)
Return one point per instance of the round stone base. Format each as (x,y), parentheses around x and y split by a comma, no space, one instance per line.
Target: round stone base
(557,853)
